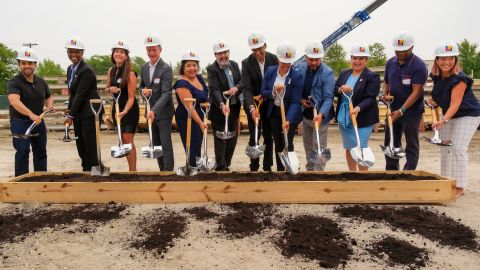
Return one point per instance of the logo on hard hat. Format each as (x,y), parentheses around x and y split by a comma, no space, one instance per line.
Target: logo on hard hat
(149,39)
(448,48)
(316,50)
(120,43)
(192,54)
(254,40)
(288,54)
(361,49)
(400,42)
(221,45)
(27,53)
(73,42)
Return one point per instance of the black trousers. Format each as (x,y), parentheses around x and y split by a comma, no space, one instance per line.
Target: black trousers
(275,123)
(263,129)
(162,135)
(86,142)
(224,149)
(408,126)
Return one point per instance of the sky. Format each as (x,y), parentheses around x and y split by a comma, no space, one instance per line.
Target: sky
(189,24)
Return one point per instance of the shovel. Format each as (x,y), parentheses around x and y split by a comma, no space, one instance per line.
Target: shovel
(150,151)
(226,134)
(28,133)
(187,170)
(257,150)
(390,150)
(204,163)
(320,155)
(363,156)
(289,159)
(436,135)
(121,150)
(99,170)
(66,136)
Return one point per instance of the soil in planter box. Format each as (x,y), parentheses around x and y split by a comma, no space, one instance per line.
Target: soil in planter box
(247,219)
(429,224)
(315,238)
(400,252)
(19,224)
(226,177)
(201,213)
(158,232)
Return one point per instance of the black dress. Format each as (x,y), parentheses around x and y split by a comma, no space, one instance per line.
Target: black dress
(129,122)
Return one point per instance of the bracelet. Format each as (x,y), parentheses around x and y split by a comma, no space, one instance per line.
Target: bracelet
(402,109)
(401,112)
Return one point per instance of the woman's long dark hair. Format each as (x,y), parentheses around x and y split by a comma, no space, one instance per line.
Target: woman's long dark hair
(127,68)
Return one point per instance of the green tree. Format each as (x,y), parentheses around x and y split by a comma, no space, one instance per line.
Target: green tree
(469,58)
(335,58)
(137,63)
(99,63)
(8,67)
(49,68)
(378,58)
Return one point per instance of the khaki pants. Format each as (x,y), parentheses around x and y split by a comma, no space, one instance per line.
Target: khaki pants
(310,142)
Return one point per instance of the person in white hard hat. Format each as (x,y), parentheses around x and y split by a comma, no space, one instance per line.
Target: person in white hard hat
(253,70)
(223,75)
(363,86)
(82,86)
(157,77)
(318,88)
(191,85)
(28,95)
(283,80)
(452,91)
(405,76)
(121,79)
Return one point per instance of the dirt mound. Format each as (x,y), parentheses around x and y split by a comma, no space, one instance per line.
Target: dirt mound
(315,238)
(201,213)
(20,223)
(246,220)
(400,252)
(429,224)
(158,231)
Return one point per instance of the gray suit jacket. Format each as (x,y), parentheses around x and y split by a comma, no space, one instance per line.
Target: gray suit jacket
(161,101)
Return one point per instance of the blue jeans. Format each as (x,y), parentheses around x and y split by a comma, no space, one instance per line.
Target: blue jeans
(22,146)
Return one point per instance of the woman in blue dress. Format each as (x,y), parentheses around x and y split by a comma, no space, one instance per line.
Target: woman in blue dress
(190,85)
(363,86)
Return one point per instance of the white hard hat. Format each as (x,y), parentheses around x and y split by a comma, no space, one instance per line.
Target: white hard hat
(190,55)
(360,50)
(256,40)
(27,54)
(152,40)
(286,53)
(120,44)
(220,46)
(403,42)
(314,49)
(447,49)
(74,43)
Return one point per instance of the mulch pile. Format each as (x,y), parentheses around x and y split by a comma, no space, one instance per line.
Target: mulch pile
(247,219)
(400,252)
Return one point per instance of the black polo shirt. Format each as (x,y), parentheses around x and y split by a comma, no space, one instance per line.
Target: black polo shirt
(32,95)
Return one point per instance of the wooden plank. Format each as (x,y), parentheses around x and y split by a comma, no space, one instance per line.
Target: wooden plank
(392,191)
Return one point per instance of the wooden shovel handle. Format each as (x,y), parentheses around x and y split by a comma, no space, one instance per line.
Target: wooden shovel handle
(282,112)
(315,113)
(354,118)
(189,99)
(95,101)
(435,113)
(205,105)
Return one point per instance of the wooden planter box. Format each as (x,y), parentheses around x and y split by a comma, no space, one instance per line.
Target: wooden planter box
(321,191)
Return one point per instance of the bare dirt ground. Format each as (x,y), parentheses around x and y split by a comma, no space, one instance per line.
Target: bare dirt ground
(107,244)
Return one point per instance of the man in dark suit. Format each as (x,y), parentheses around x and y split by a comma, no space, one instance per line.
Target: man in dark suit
(224,75)
(157,77)
(82,86)
(253,69)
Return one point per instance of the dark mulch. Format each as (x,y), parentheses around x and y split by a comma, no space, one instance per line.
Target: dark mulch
(201,213)
(430,224)
(18,224)
(247,219)
(315,238)
(158,231)
(400,252)
(226,177)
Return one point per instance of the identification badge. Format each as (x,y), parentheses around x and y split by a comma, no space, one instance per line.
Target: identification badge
(157,80)
(406,80)
(119,80)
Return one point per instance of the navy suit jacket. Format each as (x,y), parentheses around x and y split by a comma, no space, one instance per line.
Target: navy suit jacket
(293,93)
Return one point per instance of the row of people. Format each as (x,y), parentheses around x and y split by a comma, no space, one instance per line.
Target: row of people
(302,85)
